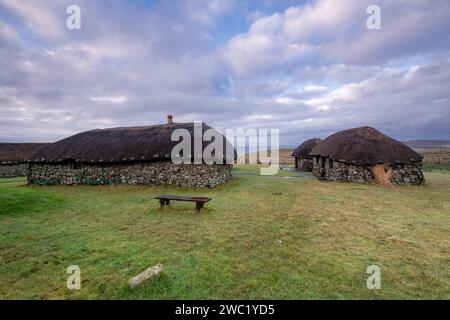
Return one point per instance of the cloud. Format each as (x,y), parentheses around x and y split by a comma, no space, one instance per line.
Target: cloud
(328,31)
(206,12)
(110,99)
(308,69)
(44,17)
(393,99)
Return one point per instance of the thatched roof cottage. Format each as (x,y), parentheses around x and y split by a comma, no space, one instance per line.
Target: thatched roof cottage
(14,158)
(126,155)
(366,155)
(303,159)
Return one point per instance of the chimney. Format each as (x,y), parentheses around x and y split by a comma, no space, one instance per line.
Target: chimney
(169,119)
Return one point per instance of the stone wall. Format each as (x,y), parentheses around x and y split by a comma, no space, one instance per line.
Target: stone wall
(318,169)
(13,170)
(305,164)
(151,173)
(408,175)
(340,171)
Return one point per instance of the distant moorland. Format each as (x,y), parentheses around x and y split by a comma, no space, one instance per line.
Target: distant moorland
(432,156)
(426,144)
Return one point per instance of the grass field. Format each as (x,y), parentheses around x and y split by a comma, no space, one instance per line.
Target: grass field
(436,156)
(259,238)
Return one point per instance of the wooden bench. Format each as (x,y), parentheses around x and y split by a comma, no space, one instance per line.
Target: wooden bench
(164,200)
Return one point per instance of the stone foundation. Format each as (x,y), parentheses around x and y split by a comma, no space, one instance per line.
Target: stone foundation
(152,173)
(340,171)
(305,164)
(408,175)
(13,170)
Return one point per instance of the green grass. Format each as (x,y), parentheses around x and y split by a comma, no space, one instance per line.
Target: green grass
(259,238)
(445,168)
(26,201)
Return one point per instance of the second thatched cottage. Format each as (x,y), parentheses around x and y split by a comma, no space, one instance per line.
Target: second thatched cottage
(127,155)
(366,155)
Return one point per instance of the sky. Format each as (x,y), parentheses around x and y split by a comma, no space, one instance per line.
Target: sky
(307,68)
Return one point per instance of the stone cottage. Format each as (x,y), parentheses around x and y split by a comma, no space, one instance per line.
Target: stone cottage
(14,158)
(126,155)
(357,154)
(303,159)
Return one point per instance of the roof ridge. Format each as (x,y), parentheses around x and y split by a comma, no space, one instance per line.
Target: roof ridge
(141,127)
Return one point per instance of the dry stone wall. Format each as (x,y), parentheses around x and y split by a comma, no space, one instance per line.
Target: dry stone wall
(340,171)
(408,175)
(152,173)
(318,169)
(13,170)
(305,164)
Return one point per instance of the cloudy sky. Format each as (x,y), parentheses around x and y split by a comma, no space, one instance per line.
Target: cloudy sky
(308,68)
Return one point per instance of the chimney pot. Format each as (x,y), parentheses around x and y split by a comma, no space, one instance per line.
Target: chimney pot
(169,119)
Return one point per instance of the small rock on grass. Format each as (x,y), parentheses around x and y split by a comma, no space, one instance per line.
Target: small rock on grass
(145,276)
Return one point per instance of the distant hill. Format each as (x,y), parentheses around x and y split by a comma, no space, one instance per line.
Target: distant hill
(425,144)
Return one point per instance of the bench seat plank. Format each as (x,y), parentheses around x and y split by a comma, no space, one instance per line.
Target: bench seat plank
(183,198)
(164,200)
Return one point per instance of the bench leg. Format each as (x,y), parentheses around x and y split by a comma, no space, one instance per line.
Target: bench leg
(167,202)
(162,202)
(198,206)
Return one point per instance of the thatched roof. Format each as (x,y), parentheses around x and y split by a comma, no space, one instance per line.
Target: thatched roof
(18,152)
(125,144)
(305,148)
(365,146)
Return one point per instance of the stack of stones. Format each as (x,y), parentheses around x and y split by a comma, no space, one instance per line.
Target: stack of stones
(13,170)
(341,171)
(407,174)
(145,173)
(305,164)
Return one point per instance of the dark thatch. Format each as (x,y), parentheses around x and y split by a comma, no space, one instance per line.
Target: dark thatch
(125,144)
(365,146)
(18,152)
(305,148)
